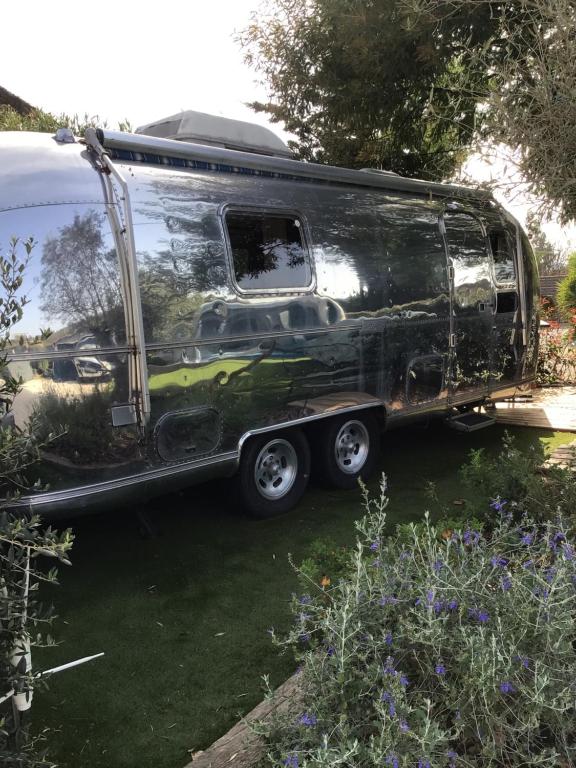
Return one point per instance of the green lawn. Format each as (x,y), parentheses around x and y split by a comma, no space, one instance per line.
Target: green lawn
(183,615)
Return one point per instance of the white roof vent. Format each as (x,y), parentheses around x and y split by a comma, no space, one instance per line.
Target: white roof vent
(200,128)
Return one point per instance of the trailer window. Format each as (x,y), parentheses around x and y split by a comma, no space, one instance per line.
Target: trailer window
(268,251)
(503,255)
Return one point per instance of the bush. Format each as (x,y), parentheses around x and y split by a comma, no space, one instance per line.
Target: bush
(556,356)
(519,476)
(438,652)
(85,430)
(325,564)
(567,289)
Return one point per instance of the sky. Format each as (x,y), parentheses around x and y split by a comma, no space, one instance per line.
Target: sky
(129,60)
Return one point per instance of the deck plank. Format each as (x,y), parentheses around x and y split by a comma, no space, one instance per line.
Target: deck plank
(547,408)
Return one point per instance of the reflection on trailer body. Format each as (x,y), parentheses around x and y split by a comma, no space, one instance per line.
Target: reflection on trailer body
(207,305)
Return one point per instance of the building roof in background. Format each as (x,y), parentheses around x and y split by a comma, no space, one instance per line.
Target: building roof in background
(18,104)
(549,284)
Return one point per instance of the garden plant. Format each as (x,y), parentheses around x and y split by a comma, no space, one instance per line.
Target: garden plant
(440,647)
(22,542)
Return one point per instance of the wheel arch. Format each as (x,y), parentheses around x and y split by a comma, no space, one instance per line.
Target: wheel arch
(308,423)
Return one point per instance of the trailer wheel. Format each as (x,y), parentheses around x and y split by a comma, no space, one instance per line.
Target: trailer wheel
(274,472)
(347,448)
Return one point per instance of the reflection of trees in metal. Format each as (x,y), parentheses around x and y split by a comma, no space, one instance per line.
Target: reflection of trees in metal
(181,259)
(80,283)
(393,251)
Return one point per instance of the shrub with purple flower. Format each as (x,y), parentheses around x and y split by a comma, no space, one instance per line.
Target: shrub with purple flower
(482,665)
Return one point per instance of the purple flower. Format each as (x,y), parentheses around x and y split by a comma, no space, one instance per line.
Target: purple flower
(438,605)
(388,600)
(307,720)
(388,639)
(376,563)
(330,651)
(506,583)
(392,760)
(440,669)
(423,763)
(438,565)
(527,539)
(404,682)
(291,760)
(303,617)
(453,604)
(524,660)
(304,637)
(404,727)
(404,555)
(555,540)
(375,546)
(568,552)
(429,597)
(471,537)
(528,565)
(389,667)
(549,574)
(507,687)
(479,614)
(451,755)
(498,504)
(499,562)
(392,709)
(305,600)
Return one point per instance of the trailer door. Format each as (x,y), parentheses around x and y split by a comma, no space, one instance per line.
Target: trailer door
(473,304)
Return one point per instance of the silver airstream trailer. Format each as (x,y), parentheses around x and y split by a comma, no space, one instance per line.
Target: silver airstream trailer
(217,307)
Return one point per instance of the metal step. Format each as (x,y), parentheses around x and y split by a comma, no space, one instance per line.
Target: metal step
(470,421)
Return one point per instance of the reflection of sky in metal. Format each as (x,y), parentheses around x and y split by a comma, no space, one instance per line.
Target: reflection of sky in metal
(40,222)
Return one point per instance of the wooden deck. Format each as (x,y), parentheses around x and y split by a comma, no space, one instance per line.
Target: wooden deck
(548,408)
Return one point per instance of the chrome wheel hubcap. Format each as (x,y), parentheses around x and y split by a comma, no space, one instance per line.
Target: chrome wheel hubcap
(352,446)
(276,469)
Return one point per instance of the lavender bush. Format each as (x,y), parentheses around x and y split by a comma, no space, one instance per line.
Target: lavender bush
(438,650)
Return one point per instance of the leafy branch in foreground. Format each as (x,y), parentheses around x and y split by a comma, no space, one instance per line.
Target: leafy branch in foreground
(22,540)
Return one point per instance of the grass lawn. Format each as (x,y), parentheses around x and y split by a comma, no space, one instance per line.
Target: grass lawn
(183,615)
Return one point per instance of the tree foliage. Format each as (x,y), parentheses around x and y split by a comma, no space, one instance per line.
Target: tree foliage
(377,83)
(46,122)
(530,103)
(551,260)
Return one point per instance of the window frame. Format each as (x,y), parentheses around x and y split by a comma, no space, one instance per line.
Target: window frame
(277,212)
(493,229)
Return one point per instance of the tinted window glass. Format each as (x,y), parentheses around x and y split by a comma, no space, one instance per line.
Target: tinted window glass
(503,253)
(267,251)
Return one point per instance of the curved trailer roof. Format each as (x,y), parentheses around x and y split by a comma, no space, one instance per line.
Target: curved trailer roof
(150,149)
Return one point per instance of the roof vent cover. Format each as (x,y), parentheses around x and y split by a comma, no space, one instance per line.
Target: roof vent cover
(201,128)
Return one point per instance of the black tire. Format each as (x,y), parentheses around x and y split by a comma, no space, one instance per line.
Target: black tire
(347,448)
(265,466)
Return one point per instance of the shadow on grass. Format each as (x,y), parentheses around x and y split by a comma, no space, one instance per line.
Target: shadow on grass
(182,615)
